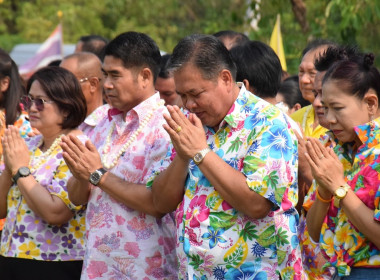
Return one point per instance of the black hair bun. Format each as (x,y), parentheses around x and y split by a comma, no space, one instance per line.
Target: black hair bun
(368,60)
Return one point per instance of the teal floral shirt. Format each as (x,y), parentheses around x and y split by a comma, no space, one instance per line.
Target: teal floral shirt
(215,241)
(343,244)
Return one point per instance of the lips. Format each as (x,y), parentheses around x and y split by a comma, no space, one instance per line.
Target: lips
(337,131)
(32,117)
(199,114)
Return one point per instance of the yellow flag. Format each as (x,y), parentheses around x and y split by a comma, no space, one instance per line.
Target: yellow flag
(276,43)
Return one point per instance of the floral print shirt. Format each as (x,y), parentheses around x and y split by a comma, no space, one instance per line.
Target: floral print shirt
(312,256)
(24,127)
(123,243)
(25,234)
(342,243)
(215,241)
(93,119)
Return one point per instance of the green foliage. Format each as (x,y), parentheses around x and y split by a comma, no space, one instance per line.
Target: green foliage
(167,21)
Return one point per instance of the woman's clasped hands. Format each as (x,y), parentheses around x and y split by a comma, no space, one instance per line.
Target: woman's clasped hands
(325,166)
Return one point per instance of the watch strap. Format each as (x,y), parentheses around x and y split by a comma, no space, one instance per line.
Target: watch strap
(19,175)
(100,171)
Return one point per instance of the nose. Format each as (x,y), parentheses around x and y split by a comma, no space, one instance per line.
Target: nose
(329,116)
(190,104)
(107,83)
(305,78)
(317,101)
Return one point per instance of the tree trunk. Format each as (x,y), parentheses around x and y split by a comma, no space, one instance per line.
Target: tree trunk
(299,10)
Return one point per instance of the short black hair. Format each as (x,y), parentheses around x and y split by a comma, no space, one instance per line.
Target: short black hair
(206,53)
(290,90)
(260,65)
(316,44)
(62,87)
(135,50)
(93,44)
(236,37)
(164,71)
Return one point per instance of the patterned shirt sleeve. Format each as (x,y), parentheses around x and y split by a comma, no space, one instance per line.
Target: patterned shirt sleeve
(271,162)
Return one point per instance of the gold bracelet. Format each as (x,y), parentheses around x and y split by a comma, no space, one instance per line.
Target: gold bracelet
(323,200)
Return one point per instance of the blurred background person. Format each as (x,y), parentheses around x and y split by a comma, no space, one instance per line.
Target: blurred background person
(289,97)
(43,233)
(165,84)
(231,38)
(11,111)
(259,69)
(306,116)
(87,67)
(91,43)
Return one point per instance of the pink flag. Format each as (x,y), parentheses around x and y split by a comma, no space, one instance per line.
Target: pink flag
(51,49)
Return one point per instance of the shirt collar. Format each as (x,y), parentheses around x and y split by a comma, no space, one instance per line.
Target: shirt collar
(236,112)
(363,132)
(141,110)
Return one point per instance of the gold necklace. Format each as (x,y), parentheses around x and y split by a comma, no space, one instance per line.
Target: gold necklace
(107,161)
(34,165)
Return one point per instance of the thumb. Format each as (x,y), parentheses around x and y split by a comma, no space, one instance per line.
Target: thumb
(90,146)
(195,120)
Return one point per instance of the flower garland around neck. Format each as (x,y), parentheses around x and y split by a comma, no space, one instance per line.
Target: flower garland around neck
(34,165)
(106,158)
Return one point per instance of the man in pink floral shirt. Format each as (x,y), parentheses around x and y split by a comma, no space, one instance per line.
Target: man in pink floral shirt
(127,238)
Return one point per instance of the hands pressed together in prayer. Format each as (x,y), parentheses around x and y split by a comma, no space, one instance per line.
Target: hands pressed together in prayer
(15,150)
(81,159)
(325,166)
(187,134)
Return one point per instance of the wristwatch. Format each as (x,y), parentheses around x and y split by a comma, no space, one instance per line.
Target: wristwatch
(97,175)
(340,193)
(21,172)
(198,158)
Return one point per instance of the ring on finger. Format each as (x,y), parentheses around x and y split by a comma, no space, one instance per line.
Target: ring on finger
(178,129)
(321,157)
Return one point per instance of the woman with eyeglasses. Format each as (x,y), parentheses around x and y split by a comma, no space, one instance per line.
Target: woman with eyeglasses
(345,216)
(43,232)
(11,90)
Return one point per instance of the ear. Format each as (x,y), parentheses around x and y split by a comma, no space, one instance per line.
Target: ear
(296,107)
(372,101)
(226,78)
(250,88)
(145,77)
(94,83)
(4,84)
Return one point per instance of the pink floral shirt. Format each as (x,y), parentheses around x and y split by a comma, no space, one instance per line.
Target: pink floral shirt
(123,243)
(93,119)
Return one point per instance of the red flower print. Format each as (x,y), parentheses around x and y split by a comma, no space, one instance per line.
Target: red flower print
(198,211)
(138,162)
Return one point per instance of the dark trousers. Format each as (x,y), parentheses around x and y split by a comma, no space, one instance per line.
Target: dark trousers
(22,269)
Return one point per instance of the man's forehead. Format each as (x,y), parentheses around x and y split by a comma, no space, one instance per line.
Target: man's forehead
(112,62)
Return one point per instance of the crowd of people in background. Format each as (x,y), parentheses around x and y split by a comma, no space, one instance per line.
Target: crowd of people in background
(211,162)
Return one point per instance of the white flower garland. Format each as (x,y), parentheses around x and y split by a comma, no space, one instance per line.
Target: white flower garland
(44,155)
(106,158)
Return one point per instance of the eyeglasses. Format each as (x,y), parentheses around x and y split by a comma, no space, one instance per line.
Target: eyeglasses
(87,79)
(28,100)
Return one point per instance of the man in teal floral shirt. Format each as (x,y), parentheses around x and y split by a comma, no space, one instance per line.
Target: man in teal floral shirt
(232,177)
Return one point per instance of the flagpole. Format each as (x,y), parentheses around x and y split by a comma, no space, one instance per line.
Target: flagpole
(60,16)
